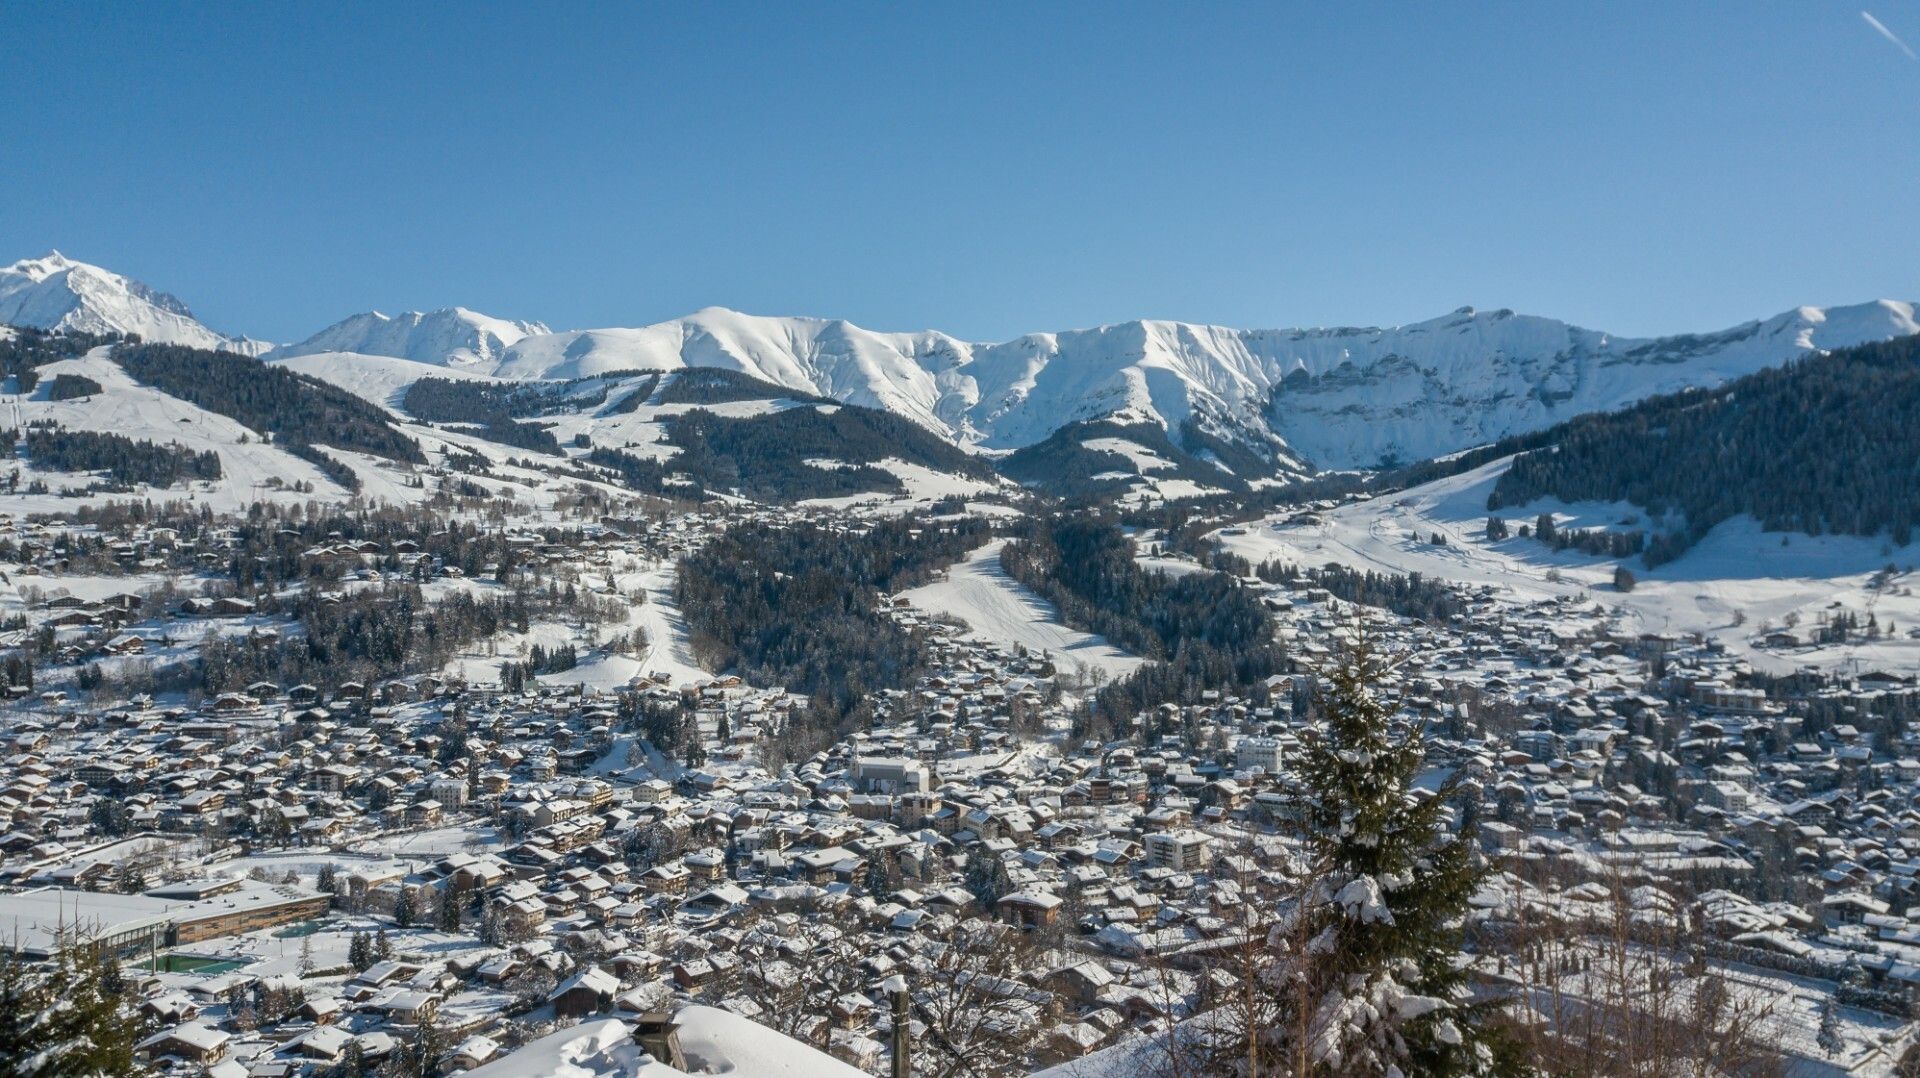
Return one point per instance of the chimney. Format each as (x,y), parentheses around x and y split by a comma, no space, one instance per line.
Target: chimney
(659,1036)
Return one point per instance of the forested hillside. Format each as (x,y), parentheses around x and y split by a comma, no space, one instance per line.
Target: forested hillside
(1825,444)
(765,456)
(124,460)
(23,348)
(798,606)
(1207,630)
(1065,465)
(297,410)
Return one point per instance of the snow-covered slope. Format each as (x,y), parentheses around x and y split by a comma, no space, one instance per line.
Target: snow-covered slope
(714,1042)
(452,336)
(1473,377)
(1256,403)
(1000,609)
(380,379)
(251,468)
(1731,586)
(1340,398)
(56,292)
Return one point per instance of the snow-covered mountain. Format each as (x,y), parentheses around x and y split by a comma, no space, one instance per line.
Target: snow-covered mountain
(1337,398)
(56,292)
(1252,402)
(452,336)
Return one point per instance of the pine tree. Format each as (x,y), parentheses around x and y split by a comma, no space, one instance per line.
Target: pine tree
(883,874)
(1829,1038)
(449,918)
(986,878)
(382,946)
(1382,961)
(360,952)
(67,1018)
(403,911)
(328,879)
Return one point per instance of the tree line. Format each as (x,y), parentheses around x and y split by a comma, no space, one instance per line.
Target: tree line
(124,460)
(1822,444)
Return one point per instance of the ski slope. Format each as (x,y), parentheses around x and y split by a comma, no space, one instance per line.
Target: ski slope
(668,649)
(1002,610)
(1731,586)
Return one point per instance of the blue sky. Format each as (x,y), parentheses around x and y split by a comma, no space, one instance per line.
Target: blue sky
(985,169)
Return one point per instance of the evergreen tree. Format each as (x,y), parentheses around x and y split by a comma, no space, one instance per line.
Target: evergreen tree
(69,1017)
(883,874)
(382,946)
(449,914)
(986,878)
(360,952)
(1382,917)
(403,908)
(328,879)
(1829,1038)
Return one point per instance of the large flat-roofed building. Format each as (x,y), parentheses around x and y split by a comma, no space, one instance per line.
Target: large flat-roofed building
(37,922)
(891,775)
(1181,850)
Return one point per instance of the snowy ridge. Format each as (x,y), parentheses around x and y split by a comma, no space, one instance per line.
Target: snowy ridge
(1339,398)
(1258,403)
(57,293)
(453,337)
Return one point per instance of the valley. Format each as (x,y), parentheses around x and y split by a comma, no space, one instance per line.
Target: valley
(525,686)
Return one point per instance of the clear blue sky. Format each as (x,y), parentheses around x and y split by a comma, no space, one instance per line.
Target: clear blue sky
(985,169)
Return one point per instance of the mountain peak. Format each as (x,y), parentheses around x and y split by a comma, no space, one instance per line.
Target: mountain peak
(445,336)
(60,293)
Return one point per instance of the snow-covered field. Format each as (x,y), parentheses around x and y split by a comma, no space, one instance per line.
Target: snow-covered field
(1001,609)
(1732,585)
(251,470)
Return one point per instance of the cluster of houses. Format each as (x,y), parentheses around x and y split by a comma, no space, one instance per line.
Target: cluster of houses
(527,860)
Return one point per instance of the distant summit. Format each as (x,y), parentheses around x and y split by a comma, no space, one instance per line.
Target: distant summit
(451,336)
(57,292)
(1253,403)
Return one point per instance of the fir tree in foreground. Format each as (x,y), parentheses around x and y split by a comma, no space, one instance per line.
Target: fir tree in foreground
(66,1017)
(1366,968)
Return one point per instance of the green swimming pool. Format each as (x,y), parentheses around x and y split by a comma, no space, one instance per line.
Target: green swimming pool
(191,963)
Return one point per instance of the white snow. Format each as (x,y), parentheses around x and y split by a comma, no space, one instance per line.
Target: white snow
(1341,397)
(715,1042)
(59,293)
(998,608)
(1355,395)
(251,470)
(382,380)
(668,651)
(452,337)
(1730,585)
